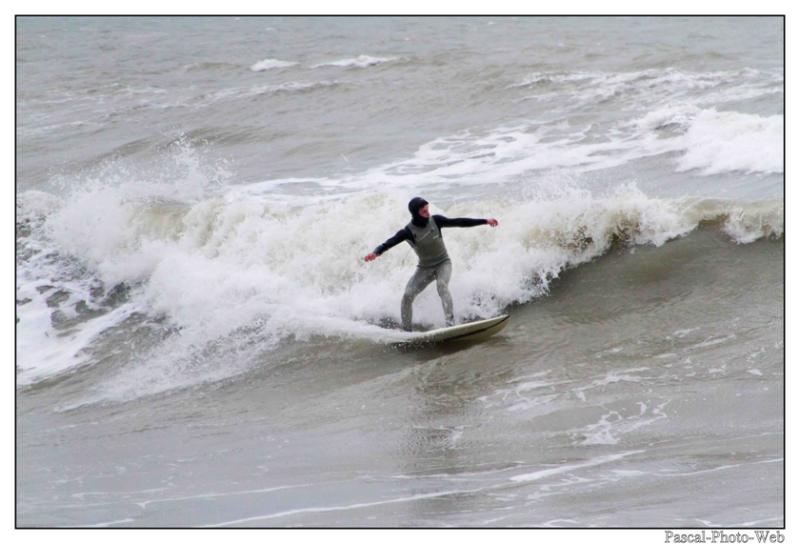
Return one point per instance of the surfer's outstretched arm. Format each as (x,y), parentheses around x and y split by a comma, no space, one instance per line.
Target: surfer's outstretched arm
(442,221)
(400,236)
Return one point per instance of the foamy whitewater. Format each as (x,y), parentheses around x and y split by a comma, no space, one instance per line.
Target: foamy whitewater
(200,342)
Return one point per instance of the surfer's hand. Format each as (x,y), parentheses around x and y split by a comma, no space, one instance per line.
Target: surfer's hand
(371,257)
(491,222)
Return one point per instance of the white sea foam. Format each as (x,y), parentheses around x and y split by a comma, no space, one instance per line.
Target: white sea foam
(614,425)
(43,351)
(729,141)
(713,142)
(546,473)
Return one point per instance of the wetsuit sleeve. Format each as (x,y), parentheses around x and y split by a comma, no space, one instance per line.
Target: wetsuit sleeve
(442,221)
(400,236)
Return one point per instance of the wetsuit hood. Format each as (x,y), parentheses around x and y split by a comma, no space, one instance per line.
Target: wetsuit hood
(414,206)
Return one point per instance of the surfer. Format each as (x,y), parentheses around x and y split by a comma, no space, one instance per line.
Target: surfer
(424,235)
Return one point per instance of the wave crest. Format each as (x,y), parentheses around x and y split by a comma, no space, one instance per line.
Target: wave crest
(271,64)
(361,61)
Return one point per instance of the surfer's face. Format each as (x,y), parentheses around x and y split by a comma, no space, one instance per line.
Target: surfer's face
(423,211)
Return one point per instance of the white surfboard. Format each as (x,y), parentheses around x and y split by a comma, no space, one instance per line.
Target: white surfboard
(476,330)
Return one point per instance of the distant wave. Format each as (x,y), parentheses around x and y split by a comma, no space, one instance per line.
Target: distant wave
(648,88)
(209,65)
(361,61)
(271,64)
(300,86)
(257,90)
(651,78)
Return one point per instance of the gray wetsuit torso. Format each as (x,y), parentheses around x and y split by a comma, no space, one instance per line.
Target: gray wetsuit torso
(428,244)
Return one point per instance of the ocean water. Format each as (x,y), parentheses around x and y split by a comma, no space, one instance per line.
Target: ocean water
(200,343)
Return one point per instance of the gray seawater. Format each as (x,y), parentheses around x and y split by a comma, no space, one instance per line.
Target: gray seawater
(199,342)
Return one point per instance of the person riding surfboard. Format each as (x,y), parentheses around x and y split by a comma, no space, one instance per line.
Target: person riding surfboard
(424,235)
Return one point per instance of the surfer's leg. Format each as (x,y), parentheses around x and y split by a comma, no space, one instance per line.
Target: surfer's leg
(443,272)
(419,281)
